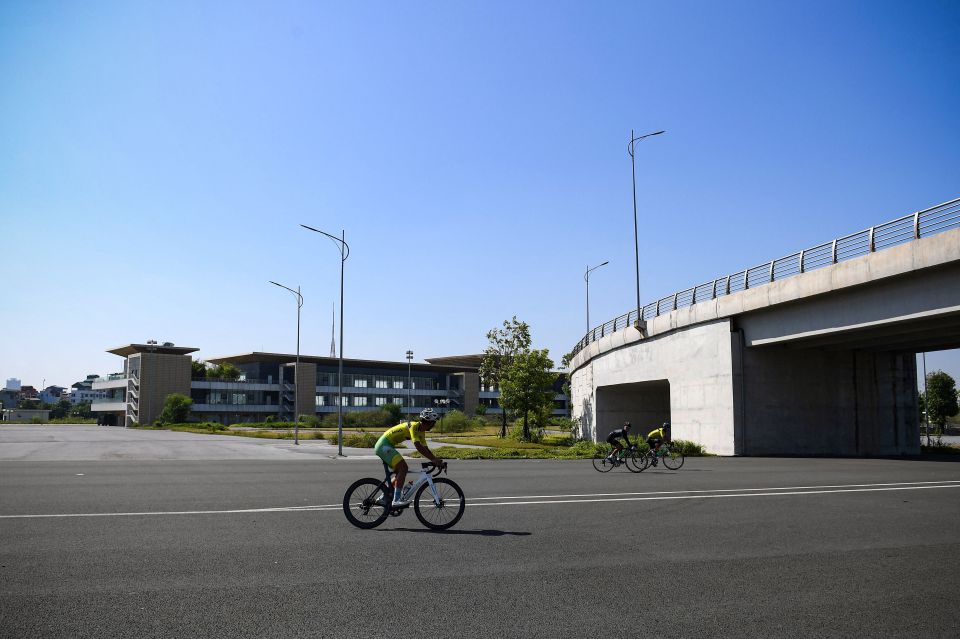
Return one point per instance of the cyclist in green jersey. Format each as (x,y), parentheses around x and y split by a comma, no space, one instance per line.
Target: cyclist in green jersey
(387,451)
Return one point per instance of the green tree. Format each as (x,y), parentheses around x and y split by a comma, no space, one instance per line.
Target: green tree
(505,344)
(396,413)
(941,398)
(527,385)
(61,409)
(82,410)
(176,409)
(198,369)
(480,410)
(224,370)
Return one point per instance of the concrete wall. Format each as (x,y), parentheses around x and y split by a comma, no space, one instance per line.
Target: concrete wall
(161,374)
(306,389)
(686,376)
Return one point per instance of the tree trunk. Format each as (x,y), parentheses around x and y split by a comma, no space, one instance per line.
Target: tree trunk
(503,425)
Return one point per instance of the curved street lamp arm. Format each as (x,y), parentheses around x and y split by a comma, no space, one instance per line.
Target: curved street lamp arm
(343,247)
(586,276)
(633,142)
(297,293)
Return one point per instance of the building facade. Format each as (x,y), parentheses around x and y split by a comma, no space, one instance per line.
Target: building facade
(269,385)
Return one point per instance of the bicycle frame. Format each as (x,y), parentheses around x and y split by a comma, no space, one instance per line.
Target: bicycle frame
(423,477)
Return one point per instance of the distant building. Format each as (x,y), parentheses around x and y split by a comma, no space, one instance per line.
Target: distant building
(9,398)
(266,386)
(29,392)
(13,384)
(52,394)
(25,414)
(82,391)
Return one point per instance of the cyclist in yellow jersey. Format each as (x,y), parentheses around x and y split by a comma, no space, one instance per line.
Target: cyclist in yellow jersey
(656,437)
(387,451)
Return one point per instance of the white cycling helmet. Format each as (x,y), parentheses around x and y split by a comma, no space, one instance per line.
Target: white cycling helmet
(428,415)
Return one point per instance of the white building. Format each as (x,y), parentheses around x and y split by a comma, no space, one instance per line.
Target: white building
(13,384)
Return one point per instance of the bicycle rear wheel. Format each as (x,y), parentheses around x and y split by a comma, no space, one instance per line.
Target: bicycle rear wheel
(601,463)
(367,503)
(442,514)
(672,459)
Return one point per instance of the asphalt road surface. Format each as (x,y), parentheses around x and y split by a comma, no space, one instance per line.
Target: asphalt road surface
(239,546)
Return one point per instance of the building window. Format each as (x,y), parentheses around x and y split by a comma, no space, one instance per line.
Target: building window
(398,401)
(344,401)
(321,400)
(359,401)
(380,401)
(360,383)
(398,383)
(381,383)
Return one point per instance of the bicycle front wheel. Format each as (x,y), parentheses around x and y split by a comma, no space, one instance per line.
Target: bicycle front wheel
(367,503)
(637,462)
(601,463)
(444,511)
(672,459)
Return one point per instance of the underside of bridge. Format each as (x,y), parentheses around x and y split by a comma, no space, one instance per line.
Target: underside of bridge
(646,405)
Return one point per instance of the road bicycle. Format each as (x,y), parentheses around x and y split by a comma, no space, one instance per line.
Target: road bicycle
(438,502)
(631,457)
(671,456)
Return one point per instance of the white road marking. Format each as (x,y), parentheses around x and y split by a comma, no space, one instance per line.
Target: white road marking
(560,499)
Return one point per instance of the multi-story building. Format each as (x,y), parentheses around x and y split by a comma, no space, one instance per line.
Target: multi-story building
(52,394)
(12,384)
(266,386)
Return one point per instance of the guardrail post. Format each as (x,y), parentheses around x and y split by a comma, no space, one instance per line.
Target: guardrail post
(916,225)
(727,290)
(872,235)
(772,262)
(746,278)
(801,261)
(713,293)
(674,302)
(834,251)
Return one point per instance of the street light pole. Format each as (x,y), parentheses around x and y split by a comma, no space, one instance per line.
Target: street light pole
(344,249)
(586,278)
(296,370)
(926,400)
(409,401)
(640,324)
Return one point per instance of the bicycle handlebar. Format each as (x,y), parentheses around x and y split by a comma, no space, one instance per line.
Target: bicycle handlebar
(437,470)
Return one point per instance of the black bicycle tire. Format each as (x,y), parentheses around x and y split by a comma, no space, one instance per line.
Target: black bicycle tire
(426,488)
(380,485)
(668,461)
(638,464)
(601,464)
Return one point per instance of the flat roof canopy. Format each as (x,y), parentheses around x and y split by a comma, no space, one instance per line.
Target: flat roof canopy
(130,349)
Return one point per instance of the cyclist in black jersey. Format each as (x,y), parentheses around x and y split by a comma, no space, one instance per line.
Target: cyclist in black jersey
(614,439)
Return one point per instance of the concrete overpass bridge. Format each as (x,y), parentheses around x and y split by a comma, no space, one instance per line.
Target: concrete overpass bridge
(812,353)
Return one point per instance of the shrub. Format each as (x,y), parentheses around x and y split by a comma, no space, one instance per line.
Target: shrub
(368,419)
(456,422)
(688,448)
(311,421)
(176,408)
(359,440)
(269,419)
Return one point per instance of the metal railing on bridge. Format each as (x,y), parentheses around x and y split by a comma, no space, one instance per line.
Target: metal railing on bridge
(899,231)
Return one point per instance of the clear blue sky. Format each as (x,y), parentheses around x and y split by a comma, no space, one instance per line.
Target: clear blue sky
(156,159)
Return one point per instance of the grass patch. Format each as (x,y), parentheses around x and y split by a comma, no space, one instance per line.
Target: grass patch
(491,442)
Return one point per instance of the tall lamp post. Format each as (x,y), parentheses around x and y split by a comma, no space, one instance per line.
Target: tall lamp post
(409,401)
(296,370)
(344,249)
(640,324)
(586,278)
